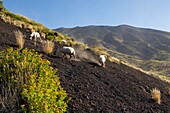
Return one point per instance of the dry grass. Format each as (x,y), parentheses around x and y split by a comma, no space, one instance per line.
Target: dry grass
(19,38)
(48,46)
(156,95)
(26,18)
(114,59)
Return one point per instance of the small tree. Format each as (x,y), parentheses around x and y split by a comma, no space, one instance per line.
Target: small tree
(1,2)
(1,5)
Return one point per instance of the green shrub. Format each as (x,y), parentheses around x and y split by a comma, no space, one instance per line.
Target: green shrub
(31,77)
(58,38)
(1,5)
(50,37)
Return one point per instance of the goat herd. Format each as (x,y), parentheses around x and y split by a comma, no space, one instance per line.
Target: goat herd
(65,50)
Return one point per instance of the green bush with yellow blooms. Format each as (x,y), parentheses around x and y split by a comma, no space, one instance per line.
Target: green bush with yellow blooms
(30,82)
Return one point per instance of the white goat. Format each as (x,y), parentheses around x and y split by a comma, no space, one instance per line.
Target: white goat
(64,42)
(36,36)
(102,60)
(68,51)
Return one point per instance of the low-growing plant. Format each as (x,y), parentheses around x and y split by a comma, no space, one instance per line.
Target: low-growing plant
(48,46)
(29,83)
(19,38)
(156,95)
(98,48)
(50,37)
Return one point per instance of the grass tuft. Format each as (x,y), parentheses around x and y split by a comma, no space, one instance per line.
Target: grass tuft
(156,95)
(169,91)
(48,46)
(19,38)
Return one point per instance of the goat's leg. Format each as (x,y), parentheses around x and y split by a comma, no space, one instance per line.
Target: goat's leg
(70,56)
(35,44)
(103,65)
(63,56)
(74,56)
(34,41)
(39,39)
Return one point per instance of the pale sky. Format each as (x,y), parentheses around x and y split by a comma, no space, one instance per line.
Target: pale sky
(153,14)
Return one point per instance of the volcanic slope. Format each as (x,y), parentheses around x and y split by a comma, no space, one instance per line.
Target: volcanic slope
(93,89)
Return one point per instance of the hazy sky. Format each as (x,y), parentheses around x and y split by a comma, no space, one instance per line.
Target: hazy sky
(71,13)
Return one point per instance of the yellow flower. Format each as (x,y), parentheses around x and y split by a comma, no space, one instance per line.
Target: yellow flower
(56,92)
(46,106)
(12,76)
(48,90)
(12,57)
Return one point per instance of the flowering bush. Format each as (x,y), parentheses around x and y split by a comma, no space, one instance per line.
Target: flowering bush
(35,81)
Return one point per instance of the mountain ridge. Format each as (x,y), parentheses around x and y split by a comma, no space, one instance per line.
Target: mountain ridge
(121,25)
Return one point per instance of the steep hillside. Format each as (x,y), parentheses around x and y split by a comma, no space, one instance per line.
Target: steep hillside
(145,48)
(93,89)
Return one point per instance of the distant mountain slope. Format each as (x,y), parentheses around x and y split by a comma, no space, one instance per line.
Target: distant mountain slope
(125,39)
(142,47)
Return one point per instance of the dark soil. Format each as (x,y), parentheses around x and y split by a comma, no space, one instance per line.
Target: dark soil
(94,89)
